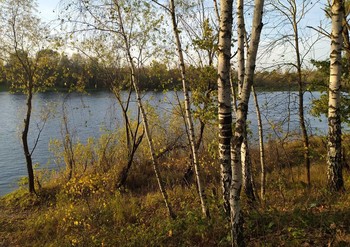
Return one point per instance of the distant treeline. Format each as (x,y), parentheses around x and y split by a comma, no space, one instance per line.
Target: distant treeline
(78,72)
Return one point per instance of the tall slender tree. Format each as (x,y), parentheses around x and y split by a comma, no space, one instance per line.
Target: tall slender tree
(334,150)
(224,98)
(301,91)
(134,81)
(29,70)
(240,128)
(189,118)
(171,10)
(261,146)
(245,155)
(116,20)
(294,13)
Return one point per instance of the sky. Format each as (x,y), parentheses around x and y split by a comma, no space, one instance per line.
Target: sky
(47,7)
(48,10)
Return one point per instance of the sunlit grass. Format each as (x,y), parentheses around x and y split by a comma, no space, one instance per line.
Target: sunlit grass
(88,211)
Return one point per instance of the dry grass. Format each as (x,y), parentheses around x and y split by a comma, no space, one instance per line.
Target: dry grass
(88,211)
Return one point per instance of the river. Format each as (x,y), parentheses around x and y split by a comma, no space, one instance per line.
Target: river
(89,114)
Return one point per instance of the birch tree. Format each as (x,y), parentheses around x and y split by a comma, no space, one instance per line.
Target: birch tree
(142,110)
(118,18)
(224,98)
(246,161)
(240,129)
(261,146)
(190,124)
(245,155)
(203,35)
(334,150)
(188,115)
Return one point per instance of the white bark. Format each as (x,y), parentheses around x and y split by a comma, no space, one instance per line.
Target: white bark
(224,98)
(143,114)
(240,130)
(261,147)
(335,176)
(190,124)
(240,46)
(248,183)
(245,155)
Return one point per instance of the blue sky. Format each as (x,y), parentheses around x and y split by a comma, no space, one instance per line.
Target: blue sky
(48,11)
(46,8)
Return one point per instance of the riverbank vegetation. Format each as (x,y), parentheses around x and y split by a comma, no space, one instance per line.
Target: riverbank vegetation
(76,72)
(189,176)
(88,210)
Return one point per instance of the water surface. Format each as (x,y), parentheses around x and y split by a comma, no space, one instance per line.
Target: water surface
(89,115)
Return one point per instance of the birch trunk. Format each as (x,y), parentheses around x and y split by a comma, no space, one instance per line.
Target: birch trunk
(240,130)
(334,157)
(143,114)
(248,184)
(261,147)
(246,161)
(234,96)
(190,124)
(240,46)
(224,99)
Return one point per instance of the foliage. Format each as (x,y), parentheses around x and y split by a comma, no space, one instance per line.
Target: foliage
(77,72)
(320,106)
(27,65)
(203,89)
(86,211)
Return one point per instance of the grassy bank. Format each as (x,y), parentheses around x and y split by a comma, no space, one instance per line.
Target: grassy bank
(87,210)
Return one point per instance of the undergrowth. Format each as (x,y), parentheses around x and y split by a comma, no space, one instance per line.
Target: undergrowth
(87,210)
